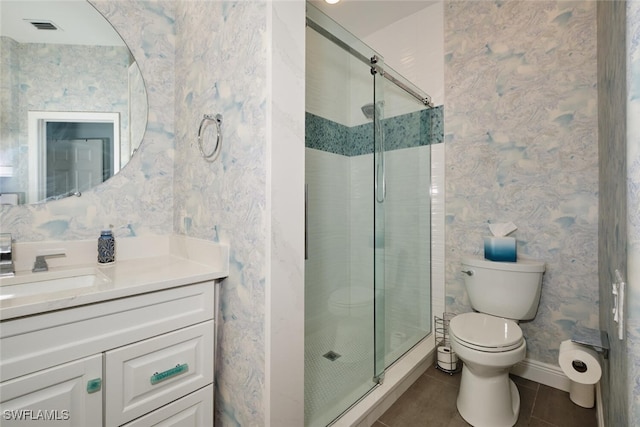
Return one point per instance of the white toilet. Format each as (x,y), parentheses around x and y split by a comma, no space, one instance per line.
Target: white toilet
(490,341)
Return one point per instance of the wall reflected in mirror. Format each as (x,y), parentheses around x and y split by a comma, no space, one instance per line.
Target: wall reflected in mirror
(78,65)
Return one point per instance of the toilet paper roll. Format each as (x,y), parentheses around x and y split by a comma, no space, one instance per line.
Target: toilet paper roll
(582,394)
(579,363)
(447,358)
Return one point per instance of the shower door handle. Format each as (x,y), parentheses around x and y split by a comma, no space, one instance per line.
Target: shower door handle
(306,221)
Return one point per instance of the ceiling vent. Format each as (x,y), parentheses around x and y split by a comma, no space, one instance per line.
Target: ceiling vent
(43,25)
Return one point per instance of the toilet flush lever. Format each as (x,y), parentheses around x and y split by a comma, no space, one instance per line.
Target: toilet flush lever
(468,272)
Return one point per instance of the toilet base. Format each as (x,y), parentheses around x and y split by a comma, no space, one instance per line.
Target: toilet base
(488,401)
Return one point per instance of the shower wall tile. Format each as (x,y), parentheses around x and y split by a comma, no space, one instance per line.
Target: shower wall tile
(520,130)
(362,238)
(436,123)
(327,267)
(137,200)
(360,139)
(438,168)
(415,129)
(326,135)
(413,46)
(327,79)
(407,243)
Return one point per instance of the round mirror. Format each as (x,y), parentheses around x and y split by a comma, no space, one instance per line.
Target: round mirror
(73,108)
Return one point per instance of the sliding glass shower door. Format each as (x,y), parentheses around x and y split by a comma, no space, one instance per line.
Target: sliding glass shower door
(367,268)
(339,267)
(404,171)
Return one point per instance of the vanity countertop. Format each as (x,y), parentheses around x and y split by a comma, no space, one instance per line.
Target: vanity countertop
(174,261)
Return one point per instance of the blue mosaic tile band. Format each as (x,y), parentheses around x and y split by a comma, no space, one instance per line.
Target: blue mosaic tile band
(326,135)
(409,130)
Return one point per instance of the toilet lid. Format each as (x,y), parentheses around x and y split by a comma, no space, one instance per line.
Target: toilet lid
(487,333)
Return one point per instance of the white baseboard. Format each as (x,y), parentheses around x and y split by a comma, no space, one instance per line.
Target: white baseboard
(543,373)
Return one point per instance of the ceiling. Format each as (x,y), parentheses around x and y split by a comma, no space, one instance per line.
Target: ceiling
(364,17)
(78,21)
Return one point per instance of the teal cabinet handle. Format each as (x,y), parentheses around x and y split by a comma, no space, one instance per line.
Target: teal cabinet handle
(94,385)
(169,373)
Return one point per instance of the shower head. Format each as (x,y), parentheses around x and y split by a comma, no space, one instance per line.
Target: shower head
(369,109)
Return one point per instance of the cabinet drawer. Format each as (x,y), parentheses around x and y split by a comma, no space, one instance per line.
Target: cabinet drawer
(38,342)
(193,410)
(65,395)
(146,375)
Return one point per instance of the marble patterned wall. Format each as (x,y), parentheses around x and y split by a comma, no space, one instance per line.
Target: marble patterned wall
(54,77)
(612,233)
(633,207)
(138,200)
(520,137)
(226,200)
(9,118)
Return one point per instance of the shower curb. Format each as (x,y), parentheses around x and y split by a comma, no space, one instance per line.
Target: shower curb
(397,380)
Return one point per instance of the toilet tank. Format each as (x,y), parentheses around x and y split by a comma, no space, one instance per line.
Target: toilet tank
(504,289)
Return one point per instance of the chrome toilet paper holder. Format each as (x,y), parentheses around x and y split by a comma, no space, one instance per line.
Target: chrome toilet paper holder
(594,338)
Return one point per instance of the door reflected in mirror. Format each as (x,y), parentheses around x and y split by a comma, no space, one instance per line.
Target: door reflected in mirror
(76,151)
(82,68)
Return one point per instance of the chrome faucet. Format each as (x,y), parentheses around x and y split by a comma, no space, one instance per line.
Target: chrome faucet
(41,262)
(7,269)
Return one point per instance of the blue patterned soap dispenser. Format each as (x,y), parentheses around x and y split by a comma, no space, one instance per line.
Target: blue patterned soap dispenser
(106,247)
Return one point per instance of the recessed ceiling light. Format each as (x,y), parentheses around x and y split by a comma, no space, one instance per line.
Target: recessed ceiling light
(332,1)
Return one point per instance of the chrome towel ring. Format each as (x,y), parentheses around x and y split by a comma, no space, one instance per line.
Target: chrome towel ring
(206,120)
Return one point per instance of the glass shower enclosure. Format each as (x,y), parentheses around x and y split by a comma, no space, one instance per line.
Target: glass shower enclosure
(368,218)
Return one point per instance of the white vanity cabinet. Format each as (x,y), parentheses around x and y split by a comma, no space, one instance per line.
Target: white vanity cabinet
(54,394)
(142,360)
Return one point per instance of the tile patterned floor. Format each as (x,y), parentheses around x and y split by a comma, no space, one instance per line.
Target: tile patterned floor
(431,401)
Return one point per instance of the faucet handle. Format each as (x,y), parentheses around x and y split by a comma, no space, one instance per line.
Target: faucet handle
(41,262)
(6,243)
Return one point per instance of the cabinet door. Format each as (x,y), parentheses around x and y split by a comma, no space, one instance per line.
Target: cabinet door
(65,395)
(144,376)
(193,410)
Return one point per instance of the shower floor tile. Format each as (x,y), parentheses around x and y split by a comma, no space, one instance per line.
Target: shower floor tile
(431,401)
(332,386)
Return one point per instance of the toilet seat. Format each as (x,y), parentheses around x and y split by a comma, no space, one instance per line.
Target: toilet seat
(485,333)
(351,297)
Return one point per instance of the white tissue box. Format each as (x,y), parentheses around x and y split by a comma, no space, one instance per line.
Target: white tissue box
(500,248)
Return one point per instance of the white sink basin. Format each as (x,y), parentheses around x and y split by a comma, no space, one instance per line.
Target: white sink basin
(27,283)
